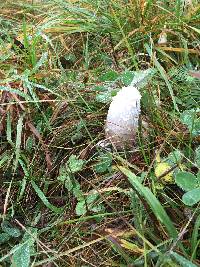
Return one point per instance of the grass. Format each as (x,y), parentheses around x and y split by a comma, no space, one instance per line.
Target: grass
(63,200)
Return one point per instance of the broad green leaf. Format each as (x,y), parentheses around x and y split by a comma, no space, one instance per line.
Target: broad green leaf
(92,197)
(44,199)
(63,174)
(104,163)
(186,180)
(110,75)
(174,157)
(30,236)
(142,77)
(29,143)
(10,230)
(92,203)
(153,202)
(68,183)
(67,178)
(75,164)
(191,197)
(77,192)
(104,98)
(21,257)
(81,208)
(4,237)
(127,77)
(97,208)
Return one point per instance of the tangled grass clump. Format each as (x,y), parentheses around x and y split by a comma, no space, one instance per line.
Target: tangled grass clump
(64,200)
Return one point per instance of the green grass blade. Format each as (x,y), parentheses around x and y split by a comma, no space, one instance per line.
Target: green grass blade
(44,199)
(153,202)
(195,235)
(163,75)
(3,159)
(182,260)
(194,29)
(14,91)
(18,141)
(40,63)
(9,129)
(155,205)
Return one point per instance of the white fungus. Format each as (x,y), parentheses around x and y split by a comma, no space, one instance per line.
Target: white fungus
(162,39)
(122,118)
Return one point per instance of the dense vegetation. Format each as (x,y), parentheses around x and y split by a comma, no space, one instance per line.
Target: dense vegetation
(65,200)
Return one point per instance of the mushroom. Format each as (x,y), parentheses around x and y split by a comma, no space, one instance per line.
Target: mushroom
(122,118)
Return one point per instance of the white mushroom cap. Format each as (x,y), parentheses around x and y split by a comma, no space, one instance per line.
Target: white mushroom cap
(122,117)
